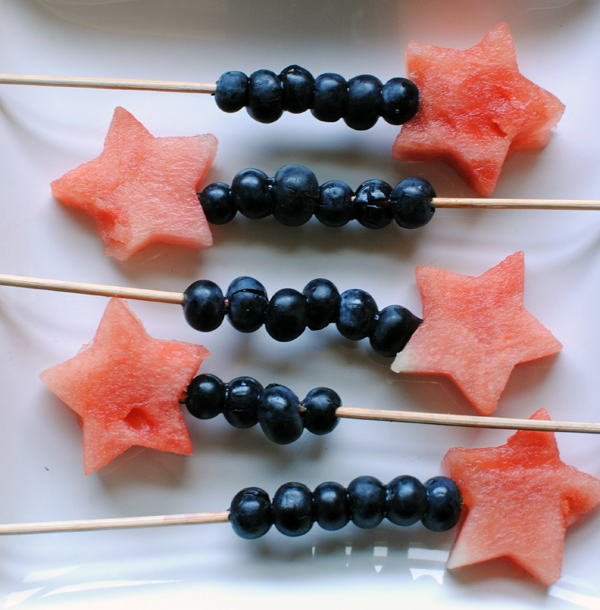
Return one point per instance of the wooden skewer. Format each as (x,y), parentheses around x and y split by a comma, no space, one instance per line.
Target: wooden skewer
(517,204)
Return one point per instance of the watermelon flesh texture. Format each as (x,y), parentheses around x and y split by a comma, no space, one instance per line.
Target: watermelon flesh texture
(475,109)
(142,190)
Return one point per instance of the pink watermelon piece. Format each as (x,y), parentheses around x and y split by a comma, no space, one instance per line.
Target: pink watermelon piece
(125,386)
(475,108)
(142,190)
(475,330)
(520,498)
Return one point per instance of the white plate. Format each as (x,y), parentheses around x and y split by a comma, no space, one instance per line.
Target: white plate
(45,132)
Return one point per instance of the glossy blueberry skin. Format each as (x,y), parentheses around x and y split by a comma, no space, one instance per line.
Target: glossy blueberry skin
(217,204)
(265,96)
(298,89)
(247,304)
(399,100)
(203,305)
(357,315)
(372,204)
(292,509)
(331,507)
(364,102)
(251,193)
(406,500)
(322,303)
(331,97)
(232,91)
(335,207)
(241,402)
(366,496)
(286,315)
(251,513)
(279,415)
(319,416)
(295,194)
(411,202)
(205,396)
(395,326)
(444,504)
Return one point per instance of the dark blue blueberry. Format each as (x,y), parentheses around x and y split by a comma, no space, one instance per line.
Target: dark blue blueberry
(247,304)
(331,507)
(372,204)
(217,204)
(292,509)
(322,303)
(286,315)
(251,193)
(265,93)
(366,496)
(251,513)
(205,396)
(279,414)
(443,504)
(241,402)
(295,195)
(232,91)
(298,89)
(411,202)
(203,305)
(319,416)
(364,102)
(399,101)
(406,500)
(335,207)
(395,326)
(331,97)
(358,314)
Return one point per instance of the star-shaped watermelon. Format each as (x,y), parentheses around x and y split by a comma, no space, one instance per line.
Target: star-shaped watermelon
(521,498)
(475,330)
(142,190)
(475,108)
(125,386)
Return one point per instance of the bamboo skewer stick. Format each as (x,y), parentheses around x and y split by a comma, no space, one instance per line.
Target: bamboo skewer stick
(517,204)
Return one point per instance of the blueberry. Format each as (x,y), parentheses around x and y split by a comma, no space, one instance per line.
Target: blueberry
(330,506)
(411,203)
(298,89)
(331,97)
(295,195)
(286,315)
(279,414)
(372,204)
(322,303)
(251,193)
(357,315)
(205,396)
(335,207)
(406,500)
(241,402)
(247,304)
(203,305)
(319,416)
(399,101)
(265,94)
(217,203)
(232,91)
(250,513)
(395,326)
(292,509)
(364,102)
(443,504)
(366,496)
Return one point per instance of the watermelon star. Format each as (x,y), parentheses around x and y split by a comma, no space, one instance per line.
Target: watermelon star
(125,386)
(521,498)
(475,330)
(142,190)
(475,108)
